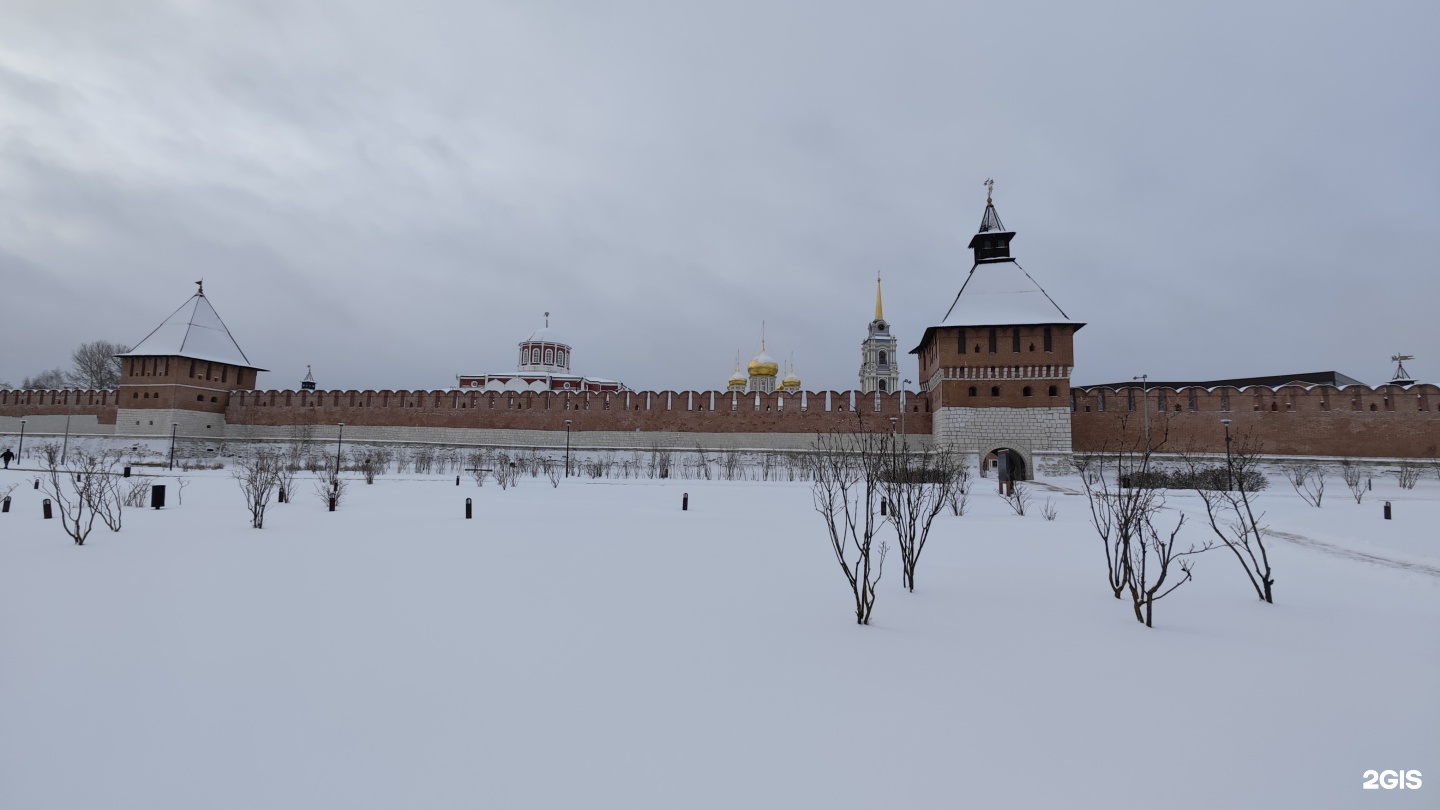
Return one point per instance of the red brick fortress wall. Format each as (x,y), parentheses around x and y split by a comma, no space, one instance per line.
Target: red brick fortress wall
(99,404)
(1355,421)
(644,411)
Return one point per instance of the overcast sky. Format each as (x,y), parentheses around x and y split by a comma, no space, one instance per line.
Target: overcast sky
(396,192)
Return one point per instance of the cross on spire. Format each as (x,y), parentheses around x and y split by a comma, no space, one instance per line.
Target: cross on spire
(989,189)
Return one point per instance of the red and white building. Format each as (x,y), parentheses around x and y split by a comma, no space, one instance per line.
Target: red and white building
(544,365)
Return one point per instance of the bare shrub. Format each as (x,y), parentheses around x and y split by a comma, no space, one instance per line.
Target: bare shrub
(1019,498)
(180,484)
(846,493)
(917,484)
(330,485)
(1048,511)
(74,490)
(1408,474)
(258,474)
(552,472)
(1232,517)
(1308,479)
(959,499)
(137,493)
(1354,476)
(50,452)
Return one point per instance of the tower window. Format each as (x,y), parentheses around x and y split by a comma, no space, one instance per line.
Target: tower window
(995,391)
(993,348)
(973,392)
(550,356)
(884,358)
(961,341)
(534,355)
(1015,339)
(1026,391)
(1054,391)
(1049,340)
(882,387)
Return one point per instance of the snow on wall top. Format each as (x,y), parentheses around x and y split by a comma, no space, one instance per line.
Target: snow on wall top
(1002,294)
(196,332)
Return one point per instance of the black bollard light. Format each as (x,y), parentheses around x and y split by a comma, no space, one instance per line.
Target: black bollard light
(5,504)
(1387,510)
(469,508)
(884,506)
(157,496)
(47,509)
(685,502)
(457,480)
(37,483)
(127,472)
(1369,484)
(282,494)
(332,503)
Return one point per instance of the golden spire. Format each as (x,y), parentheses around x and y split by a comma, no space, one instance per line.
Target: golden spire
(879,313)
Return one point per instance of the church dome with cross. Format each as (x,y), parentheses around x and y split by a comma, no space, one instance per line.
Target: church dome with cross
(544,365)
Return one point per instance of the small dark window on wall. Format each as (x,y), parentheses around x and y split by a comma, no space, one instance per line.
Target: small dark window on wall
(993,340)
(1049,340)
(213,399)
(972,391)
(199,397)
(224,374)
(1130,399)
(995,391)
(1192,399)
(1026,391)
(1054,390)
(962,340)
(192,368)
(1015,339)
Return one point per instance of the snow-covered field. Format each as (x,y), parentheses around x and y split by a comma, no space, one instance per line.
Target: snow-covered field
(595,646)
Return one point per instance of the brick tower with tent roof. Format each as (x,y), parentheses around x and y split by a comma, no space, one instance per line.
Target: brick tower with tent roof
(996,369)
(182,374)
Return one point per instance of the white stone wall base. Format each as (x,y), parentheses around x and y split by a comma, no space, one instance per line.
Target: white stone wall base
(1040,435)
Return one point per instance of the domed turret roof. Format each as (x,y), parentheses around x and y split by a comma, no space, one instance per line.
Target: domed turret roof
(545,335)
(763,365)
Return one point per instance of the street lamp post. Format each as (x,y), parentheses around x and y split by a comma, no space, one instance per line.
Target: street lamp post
(1145,408)
(1229,465)
(65,446)
(20,451)
(339,438)
(567,448)
(173,427)
(904,385)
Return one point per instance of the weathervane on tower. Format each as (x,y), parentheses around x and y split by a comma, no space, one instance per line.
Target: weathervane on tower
(1402,377)
(989,189)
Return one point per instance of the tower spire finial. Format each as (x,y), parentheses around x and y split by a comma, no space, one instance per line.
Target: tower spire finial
(879,310)
(989,190)
(762,336)
(547,320)
(200,287)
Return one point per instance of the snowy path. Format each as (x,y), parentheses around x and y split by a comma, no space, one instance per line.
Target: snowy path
(1352,554)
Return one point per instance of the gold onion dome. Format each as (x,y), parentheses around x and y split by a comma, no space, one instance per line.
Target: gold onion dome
(763,365)
(737,377)
(791,380)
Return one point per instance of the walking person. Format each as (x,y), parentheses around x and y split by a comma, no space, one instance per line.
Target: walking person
(8,456)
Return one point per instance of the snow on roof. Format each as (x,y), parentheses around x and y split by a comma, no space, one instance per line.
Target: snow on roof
(1002,294)
(545,335)
(196,332)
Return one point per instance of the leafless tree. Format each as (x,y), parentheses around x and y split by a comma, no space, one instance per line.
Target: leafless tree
(1232,517)
(917,484)
(1308,479)
(1408,474)
(552,472)
(95,365)
(1018,499)
(1354,477)
(1048,511)
(258,474)
(50,452)
(180,484)
(846,494)
(477,462)
(424,459)
(75,489)
(1118,512)
(1147,568)
(53,380)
